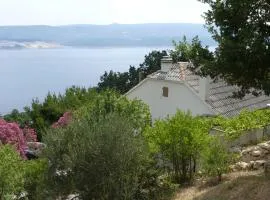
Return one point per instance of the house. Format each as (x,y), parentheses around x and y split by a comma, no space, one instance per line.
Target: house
(176,87)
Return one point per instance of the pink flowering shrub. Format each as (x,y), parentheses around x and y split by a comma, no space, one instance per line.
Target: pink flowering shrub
(63,121)
(10,133)
(30,134)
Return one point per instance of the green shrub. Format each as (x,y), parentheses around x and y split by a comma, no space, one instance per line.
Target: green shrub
(35,179)
(180,140)
(215,159)
(20,177)
(11,172)
(41,115)
(236,126)
(109,101)
(100,160)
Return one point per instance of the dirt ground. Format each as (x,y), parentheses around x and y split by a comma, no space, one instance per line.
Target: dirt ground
(235,186)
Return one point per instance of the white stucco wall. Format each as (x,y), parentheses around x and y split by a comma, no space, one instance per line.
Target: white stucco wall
(180,97)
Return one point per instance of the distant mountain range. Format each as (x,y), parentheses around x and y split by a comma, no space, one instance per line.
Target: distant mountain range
(106,35)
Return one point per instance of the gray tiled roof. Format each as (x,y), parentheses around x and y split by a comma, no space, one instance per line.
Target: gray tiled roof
(220,94)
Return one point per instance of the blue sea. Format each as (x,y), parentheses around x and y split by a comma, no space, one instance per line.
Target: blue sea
(31,73)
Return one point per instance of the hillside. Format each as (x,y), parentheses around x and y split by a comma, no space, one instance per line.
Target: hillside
(246,182)
(237,186)
(106,35)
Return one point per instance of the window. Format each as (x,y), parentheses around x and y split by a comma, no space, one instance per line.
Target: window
(165,91)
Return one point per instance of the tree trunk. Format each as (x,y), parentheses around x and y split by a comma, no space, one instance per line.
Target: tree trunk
(190,168)
(219,177)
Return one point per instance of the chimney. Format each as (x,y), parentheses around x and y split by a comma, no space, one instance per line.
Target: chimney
(204,87)
(166,63)
(183,69)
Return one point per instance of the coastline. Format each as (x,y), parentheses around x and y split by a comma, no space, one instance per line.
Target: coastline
(9,45)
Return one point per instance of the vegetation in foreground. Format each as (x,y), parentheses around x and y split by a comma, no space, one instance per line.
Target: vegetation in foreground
(107,139)
(112,143)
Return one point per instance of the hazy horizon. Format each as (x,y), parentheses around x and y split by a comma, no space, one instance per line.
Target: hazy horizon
(102,12)
(102,24)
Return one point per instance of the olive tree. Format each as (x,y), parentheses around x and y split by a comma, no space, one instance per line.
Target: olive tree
(97,160)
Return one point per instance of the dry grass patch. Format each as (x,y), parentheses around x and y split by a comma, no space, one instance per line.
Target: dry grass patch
(236,186)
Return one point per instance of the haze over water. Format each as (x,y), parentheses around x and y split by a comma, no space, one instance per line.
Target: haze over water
(32,73)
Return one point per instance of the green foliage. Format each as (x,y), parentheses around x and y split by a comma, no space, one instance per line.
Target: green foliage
(11,172)
(215,159)
(152,62)
(108,101)
(20,176)
(100,160)
(100,146)
(153,183)
(43,114)
(191,52)
(123,82)
(246,120)
(180,140)
(35,179)
(20,117)
(242,30)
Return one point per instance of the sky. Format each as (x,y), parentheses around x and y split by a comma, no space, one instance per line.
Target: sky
(62,12)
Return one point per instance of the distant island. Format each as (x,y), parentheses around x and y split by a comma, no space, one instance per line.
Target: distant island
(28,45)
(16,37)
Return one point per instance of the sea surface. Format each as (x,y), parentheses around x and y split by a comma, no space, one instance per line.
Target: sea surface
(31,73)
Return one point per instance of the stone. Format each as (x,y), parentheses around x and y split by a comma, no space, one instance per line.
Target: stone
(259,164)
(247,150)
(242,165)
(233,168)
(256,153)
(264,146)
(73,197)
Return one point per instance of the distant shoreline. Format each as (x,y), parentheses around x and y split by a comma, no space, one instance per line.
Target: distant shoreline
(115,35)
(45,45)
(13,45)
(10,45)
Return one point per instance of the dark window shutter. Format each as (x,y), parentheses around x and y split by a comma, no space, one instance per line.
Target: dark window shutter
(165,91)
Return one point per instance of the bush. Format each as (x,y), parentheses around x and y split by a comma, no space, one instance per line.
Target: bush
(35,179)
(42,115)
(10,133)
(216,159)
(109,101)
(179,140)
(63,121)
(109,150)
(20,177)
(11,172)
(234,127)
(100,160)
